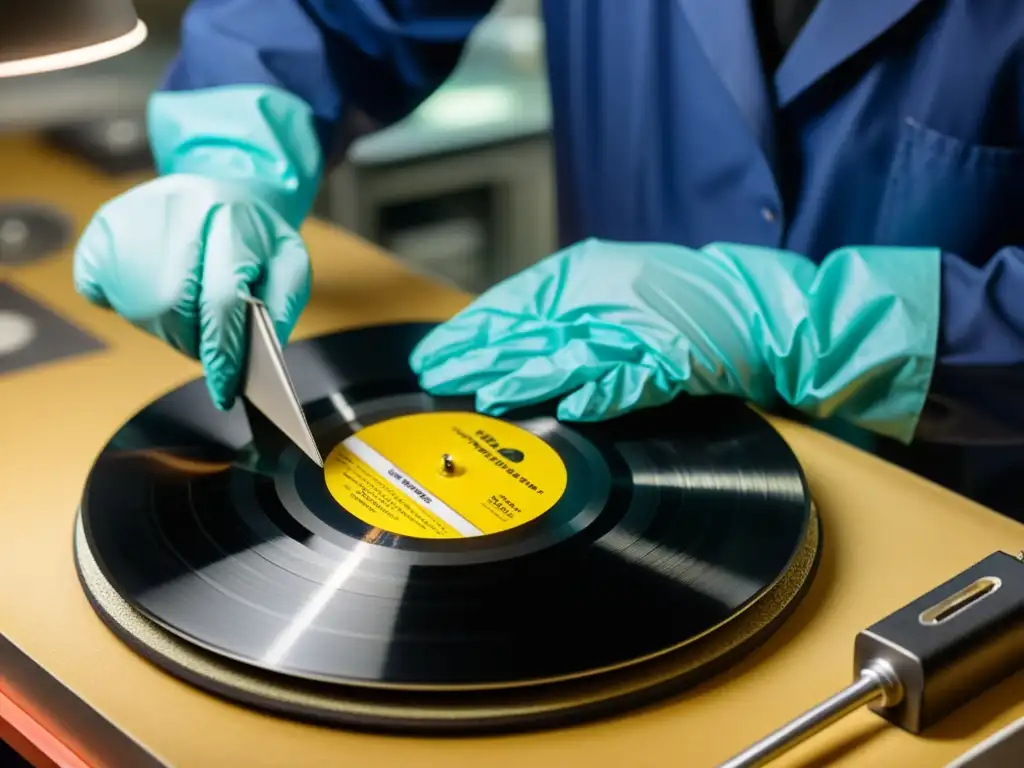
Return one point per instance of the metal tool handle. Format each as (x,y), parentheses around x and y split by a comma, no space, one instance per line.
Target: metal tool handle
(877,681)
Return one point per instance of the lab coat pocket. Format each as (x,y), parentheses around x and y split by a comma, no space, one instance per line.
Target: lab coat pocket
(947,193)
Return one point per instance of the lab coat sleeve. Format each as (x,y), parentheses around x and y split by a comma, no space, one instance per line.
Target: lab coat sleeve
(977,389)
(361,63)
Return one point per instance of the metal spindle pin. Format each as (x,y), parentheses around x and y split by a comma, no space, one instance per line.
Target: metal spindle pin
(447,464)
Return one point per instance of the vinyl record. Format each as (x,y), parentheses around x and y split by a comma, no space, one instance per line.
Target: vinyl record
(500,710)
(535,552)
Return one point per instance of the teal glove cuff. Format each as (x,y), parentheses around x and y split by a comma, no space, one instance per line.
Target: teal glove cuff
(863,347)
(261,138)
(873,317)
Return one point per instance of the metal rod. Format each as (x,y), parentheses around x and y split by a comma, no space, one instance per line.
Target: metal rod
(875,682)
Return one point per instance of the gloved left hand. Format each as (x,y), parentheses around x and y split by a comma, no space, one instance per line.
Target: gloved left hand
(611,327)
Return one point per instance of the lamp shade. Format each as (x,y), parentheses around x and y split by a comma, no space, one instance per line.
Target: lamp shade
(43,35)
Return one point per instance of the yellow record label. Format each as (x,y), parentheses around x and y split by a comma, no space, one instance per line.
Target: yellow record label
(394,475)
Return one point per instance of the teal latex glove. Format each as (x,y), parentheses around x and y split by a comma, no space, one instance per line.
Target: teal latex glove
(239,169)
(611,327)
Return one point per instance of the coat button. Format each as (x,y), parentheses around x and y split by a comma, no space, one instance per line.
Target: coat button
(768,215)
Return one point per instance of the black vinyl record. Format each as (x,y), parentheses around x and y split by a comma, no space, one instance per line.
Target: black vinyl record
(671,521)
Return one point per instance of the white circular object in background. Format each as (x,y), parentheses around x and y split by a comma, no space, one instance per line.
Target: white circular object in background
(16,331)
(14,232)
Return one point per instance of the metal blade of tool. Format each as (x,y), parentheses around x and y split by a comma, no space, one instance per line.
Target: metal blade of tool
(269,390)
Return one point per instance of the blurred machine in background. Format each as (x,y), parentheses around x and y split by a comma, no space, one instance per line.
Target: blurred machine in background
(462,189)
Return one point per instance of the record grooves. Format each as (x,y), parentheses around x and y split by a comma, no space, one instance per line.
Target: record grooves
(557,570)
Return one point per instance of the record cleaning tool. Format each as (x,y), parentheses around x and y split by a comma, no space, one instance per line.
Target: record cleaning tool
(272,405)
(925,660)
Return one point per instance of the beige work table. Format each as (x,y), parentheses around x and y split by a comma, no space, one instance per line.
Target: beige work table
(888,536)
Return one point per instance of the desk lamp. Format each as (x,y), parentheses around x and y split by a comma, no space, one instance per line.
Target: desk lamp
(39,36)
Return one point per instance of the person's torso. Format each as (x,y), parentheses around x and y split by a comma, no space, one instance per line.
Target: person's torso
(896,122)
(887,122)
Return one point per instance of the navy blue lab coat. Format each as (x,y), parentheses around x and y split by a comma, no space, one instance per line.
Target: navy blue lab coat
(887,122)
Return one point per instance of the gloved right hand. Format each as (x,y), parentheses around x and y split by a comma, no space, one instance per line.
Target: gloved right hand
(239,170)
